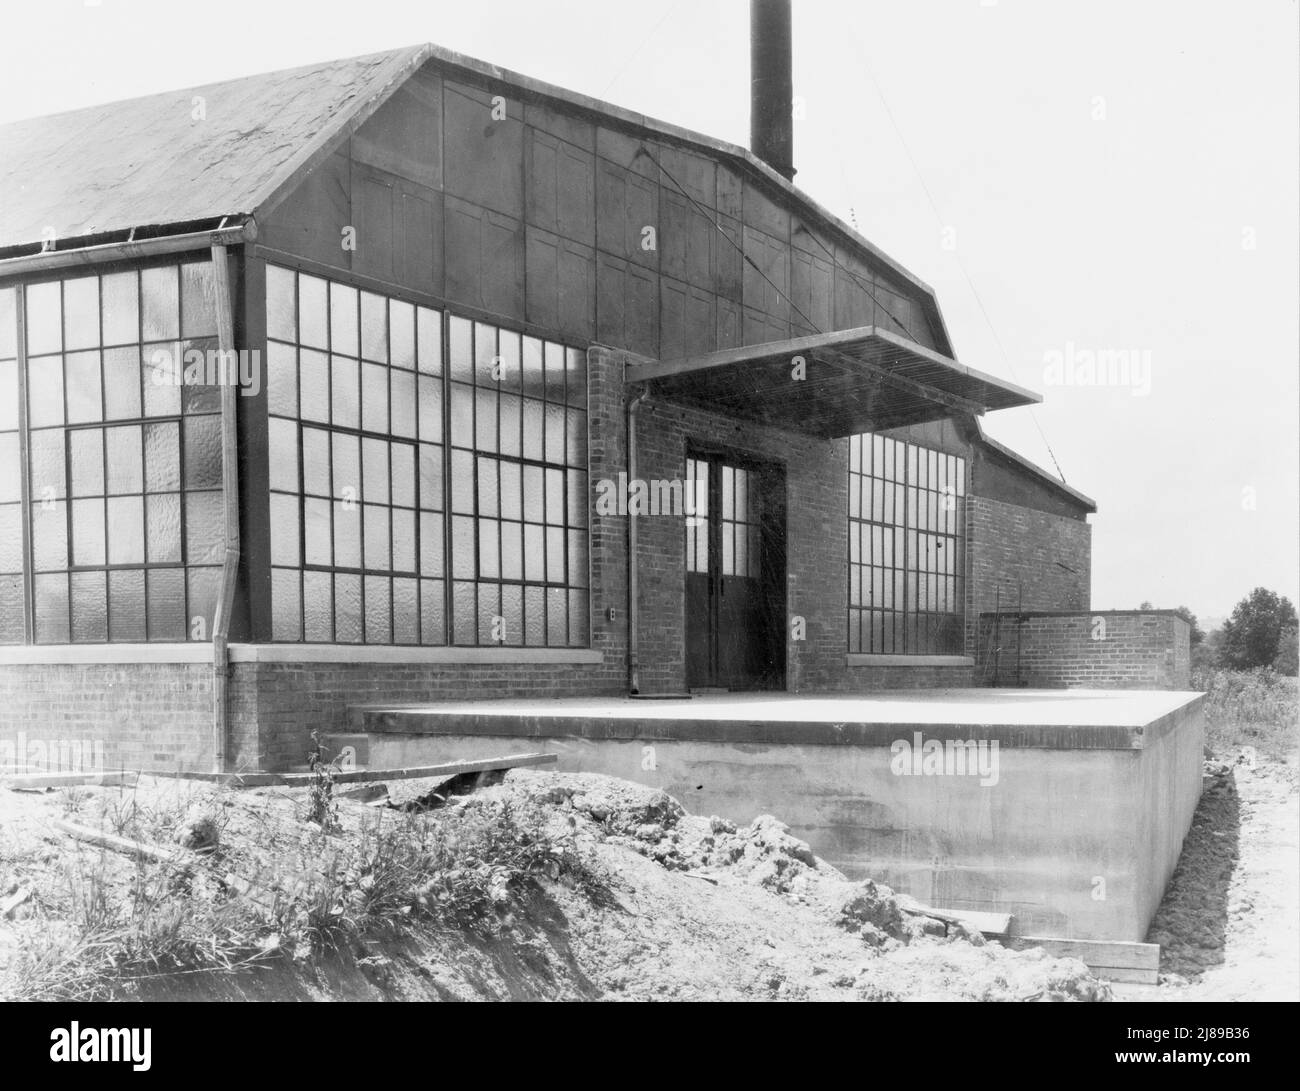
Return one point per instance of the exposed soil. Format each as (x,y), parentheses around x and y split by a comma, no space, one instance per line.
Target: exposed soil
(663,906)
(1229,924)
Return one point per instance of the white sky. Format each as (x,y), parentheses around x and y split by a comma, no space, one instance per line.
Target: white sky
(1124,232)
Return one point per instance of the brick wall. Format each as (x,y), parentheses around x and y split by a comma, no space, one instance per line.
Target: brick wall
(1103,650)
(137,715)
(1021,558)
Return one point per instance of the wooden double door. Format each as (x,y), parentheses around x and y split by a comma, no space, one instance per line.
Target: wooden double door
(735,572)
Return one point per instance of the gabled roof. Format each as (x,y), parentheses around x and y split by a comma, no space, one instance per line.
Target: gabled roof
(150,161)
(147,163)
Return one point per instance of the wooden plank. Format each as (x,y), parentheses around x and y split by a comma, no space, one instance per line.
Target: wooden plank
(102,838)
(1116,954)
(1126,975)
(991,924)
(362,776)
(37,781)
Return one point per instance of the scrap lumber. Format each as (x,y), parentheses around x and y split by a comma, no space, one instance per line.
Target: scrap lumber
(128,846)
(1114,960)
(362,776)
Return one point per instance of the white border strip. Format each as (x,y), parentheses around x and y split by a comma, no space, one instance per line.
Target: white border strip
(90,654)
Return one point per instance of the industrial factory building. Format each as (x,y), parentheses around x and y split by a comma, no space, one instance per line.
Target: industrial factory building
(405,381)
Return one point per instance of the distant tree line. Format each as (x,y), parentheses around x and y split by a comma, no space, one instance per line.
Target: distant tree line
(1262,632)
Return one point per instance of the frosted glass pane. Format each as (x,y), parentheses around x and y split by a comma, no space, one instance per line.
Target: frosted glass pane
(344,324)
(556,554)
(378,538)
(347,535)
(160,303)
(314,385)
(345,390)
(8,323)
(317,533)
(11,610)
(533,375)
(555,421)
(576,438)
(120,304)
(11,470)
(44,391)
(202,452)
(86,450)
(488,545)
(204,528)
(463,548)
(162,457)
(281,379)
(464,605)
(429,346)
(312,312)
(8,395)
(347,466)
(534,616)
(401,333)
(462,415)
(489,613)
(281,304)
(50,536)
(374,327)
(198,300)
(44,318)
(460,338)
(126,530)
(403,474)
(374,398)
(512,614)
(347,609)
(124,457)
(488,497)
(379,610)
(485,437)
(403,540)
(406,612)
(282,443)
(318,607)
(166,604)
(554,372)
(431,552)
(429,392)
(85,398)
(162,370)
(512,551)
(533,494)
(557,611)
(286,605)
(80,313)
(403,404)
(126,607)
(51,593)
(11,538)
(88,532)
(375,479)
(433,611)
(284,530)
(431,477)
(90,607)
(534,553)
(163,527)
(122,375)
(510,414)
(534,447)
(315,462)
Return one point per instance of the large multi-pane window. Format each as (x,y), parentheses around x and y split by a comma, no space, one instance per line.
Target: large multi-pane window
(906,546)
(428,474)
(119,529)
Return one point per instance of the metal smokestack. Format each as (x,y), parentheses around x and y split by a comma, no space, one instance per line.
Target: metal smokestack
(771,125)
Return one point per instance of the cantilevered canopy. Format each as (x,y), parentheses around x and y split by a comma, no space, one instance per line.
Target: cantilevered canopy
(850,381)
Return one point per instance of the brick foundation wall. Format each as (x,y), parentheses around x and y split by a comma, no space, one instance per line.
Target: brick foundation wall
(135,715)
(1102,650)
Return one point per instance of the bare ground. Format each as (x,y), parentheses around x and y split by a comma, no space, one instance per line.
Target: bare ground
(649,903)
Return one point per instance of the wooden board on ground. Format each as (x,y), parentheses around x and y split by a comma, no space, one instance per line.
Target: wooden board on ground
(35,782)
(363,776)
(1115,960)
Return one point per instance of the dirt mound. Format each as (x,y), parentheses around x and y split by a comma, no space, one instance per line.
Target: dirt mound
(542,886)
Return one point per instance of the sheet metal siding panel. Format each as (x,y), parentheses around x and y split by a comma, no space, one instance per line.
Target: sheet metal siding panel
(542,222)
(311,222)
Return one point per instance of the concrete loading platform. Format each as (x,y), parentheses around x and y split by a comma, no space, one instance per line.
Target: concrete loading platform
(1064,808)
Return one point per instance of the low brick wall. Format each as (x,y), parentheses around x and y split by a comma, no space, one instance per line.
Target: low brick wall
(1104,649)
(57,716)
